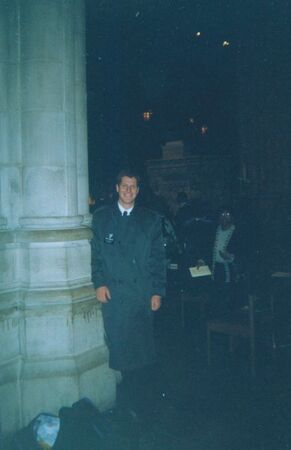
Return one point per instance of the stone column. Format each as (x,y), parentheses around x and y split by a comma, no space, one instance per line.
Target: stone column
(52,348)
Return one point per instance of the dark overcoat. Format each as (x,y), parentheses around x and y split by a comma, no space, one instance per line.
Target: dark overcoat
(128,257)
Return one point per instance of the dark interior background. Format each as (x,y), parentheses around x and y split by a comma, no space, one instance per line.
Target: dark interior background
(145,55)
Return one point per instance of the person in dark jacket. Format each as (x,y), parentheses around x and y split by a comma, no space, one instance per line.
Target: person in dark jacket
(184,214)
(129,275)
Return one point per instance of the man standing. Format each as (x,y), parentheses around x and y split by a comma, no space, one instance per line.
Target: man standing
(129,275)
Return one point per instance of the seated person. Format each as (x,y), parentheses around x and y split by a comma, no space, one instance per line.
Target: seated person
(224,259)
(196,241)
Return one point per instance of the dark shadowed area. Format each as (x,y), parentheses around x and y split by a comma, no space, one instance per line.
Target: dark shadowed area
(214,75)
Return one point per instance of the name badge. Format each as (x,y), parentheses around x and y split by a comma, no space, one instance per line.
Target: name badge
(109,238)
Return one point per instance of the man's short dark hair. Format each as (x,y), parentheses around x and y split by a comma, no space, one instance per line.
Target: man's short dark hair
(130,173)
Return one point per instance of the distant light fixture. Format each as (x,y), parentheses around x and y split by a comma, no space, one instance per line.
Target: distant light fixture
(192,120)
(147,115)
(198,33)
(204,129)
(225,43)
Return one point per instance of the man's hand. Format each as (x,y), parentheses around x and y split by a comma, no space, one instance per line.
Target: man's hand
(156,302)
(226,255)
(200,263)
(103,294)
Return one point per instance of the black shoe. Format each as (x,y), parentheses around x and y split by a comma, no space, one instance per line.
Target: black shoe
(125,415)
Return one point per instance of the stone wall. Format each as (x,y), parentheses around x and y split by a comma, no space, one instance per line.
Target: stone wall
(52,349)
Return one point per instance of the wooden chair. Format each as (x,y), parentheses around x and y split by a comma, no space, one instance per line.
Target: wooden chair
(241,324)
(280,288)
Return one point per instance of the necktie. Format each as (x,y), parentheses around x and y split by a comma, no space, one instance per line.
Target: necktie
(125,214)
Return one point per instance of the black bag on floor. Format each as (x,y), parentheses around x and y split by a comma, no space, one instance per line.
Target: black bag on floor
(83,427)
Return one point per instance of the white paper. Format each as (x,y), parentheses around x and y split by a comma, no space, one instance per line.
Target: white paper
(202,271)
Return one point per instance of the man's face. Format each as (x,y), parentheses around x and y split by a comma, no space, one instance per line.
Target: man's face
(127,191)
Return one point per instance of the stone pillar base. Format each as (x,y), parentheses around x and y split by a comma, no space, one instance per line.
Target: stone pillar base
(51,330)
